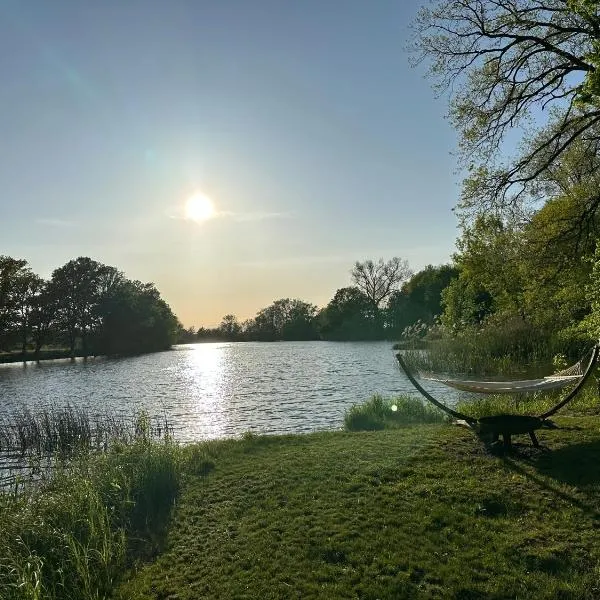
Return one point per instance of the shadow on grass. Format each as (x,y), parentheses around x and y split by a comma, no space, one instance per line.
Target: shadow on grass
(577,465)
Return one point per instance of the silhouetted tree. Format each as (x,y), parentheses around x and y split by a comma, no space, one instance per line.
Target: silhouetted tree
(284,319)
(348,316)
(136,319)
(27,290)
(230,328)
(76,286)
(11,270)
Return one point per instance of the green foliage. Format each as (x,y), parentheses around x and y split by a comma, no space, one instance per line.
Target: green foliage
(285,319)
(87,306)
(72,537)
(380,413)
(586,402)
(505,346)
(420,299)
(507,63)
(135,319)
(349,316)
(591,324)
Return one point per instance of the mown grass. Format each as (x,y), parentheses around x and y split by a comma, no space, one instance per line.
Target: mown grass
(414,512)
(387,413)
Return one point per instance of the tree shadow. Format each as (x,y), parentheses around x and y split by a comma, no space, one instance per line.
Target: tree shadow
(576,465)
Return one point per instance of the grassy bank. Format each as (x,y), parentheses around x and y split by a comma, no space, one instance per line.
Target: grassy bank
(409,511)
(418,512)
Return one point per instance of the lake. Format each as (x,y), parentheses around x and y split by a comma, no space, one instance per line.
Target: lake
(222,389)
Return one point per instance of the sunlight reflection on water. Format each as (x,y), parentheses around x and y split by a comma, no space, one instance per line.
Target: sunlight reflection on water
(219,390)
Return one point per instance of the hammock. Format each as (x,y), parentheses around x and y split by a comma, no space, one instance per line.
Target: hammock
(508,425)
(557,380)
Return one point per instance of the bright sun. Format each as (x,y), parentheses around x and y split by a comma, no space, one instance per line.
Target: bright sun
(199,208)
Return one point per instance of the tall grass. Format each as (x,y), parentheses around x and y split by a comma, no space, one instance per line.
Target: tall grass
(71,430)
(381,413)
(507,348)
(73,536)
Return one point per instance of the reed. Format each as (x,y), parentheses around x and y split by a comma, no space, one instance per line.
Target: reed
(69,431)
(73,535)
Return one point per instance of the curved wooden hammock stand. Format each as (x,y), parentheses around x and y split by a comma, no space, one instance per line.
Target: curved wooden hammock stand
(506,424)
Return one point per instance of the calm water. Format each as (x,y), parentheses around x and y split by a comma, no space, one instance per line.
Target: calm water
(219,390)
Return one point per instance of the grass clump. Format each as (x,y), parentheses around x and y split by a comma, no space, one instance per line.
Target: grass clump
(381,413)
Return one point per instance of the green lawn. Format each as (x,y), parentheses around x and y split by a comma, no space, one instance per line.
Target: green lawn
(416,512)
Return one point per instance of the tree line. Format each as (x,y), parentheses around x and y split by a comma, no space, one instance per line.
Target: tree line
(86,307)
(384,299)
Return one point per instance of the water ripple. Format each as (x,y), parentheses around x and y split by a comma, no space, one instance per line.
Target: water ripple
(219,390)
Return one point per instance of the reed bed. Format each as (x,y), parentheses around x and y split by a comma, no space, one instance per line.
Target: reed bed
(508,347)
(70,430)
(104,488)
(33,444)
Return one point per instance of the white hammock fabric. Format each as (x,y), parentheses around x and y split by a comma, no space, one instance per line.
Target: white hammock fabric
(558,380)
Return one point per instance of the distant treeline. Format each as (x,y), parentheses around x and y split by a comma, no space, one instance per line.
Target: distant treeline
(384,301)
(86,307)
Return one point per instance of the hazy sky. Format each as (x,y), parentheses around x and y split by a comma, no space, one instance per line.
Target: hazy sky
(303,122)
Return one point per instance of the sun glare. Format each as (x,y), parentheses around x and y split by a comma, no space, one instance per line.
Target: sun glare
(199,208)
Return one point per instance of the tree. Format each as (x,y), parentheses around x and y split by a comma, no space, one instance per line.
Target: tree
(27,289)
(285,319)
(230,327)
(11,269)
(506,61)
(378,280)
(77,288)
(348,316)
(420,298)
(135,319)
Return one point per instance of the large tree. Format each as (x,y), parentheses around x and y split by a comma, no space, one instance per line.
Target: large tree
(510,63)
(12,270)
(377,280)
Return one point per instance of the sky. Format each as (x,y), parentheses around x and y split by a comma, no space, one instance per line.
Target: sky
(303,122)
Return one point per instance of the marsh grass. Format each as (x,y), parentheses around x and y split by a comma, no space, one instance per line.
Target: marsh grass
(74,535)
(500,348)
(68,431)
(388,413)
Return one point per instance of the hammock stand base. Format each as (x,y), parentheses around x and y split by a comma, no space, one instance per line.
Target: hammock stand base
(490,428)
